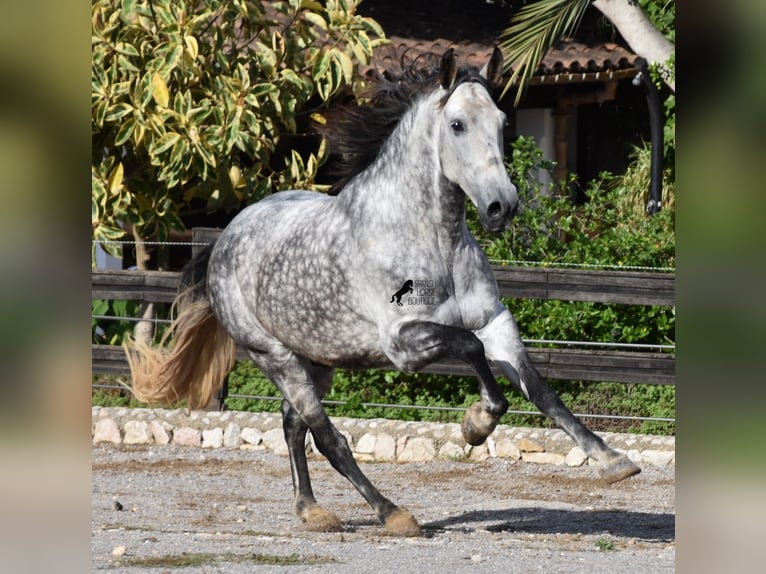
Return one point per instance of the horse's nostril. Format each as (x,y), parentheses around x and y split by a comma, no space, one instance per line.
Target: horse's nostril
(495,210)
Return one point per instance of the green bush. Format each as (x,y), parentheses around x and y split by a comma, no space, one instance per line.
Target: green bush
(191,103)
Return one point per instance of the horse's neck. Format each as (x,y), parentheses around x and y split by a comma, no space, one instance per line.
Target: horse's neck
(404,187)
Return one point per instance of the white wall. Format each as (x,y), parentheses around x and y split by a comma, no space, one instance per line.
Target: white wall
(539,123)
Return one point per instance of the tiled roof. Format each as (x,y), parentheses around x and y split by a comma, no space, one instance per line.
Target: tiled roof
(472,28)
(569,61)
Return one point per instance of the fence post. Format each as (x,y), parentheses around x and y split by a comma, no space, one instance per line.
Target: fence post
(208,235)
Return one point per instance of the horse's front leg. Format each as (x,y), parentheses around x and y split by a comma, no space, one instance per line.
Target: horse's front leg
(420,343)
(503,346)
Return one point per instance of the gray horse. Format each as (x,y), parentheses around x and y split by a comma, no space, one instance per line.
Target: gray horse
(303,280)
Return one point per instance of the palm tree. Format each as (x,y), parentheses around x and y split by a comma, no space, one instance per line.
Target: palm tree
(541,24)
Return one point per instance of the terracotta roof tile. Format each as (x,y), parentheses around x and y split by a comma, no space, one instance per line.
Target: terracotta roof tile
(418,27)
(570,60)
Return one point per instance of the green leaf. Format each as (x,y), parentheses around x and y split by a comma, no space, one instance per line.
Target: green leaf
(128,6)
(99,306)
(311,5)
(316,19)
(291,77)
(262,89)
(321,65)
(192,47)
(361,53)
(346,65)
(373,27)
(160,91)
(179,153)
(125,131)
(534,29)
(164,143)
(115,179)
(126,64)
(118,111)
(172,59)
(127,49)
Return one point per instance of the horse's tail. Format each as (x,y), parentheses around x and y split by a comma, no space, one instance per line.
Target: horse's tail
(202,352)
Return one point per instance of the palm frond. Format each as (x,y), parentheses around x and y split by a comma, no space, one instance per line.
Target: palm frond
(533,31)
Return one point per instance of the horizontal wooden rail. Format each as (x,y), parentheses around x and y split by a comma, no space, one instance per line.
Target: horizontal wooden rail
(621,287)
(151,286)
(574,364)
(624,287)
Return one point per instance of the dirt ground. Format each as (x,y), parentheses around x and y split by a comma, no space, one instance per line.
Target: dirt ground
(168,508)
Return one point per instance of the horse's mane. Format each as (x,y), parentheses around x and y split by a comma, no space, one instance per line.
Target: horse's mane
(355,132)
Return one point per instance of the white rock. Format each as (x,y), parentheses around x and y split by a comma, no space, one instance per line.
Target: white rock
(366,443)
(576,457)
(212,438)
(506,448)
(385,447)
(159,432)
(119,550)
(232,436)
(491,447)
(658,457)
(106,431)
(274,440)
(451,450)
(526,445)
(634,455)
(418,449)
(137,432)
(480,452)
(251,436)
(187,436)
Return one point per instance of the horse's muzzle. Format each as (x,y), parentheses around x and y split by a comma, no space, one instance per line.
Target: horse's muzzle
(498,215)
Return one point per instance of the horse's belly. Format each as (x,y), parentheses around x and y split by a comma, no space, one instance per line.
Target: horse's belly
(329,341)
(312,311)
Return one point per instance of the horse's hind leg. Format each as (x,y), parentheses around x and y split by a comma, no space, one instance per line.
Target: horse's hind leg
(504,347)
(306,507)
(303,410)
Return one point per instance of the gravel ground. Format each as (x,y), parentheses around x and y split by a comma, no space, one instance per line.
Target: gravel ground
(159,509)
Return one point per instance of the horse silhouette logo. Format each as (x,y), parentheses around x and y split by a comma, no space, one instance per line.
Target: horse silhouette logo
(406,288)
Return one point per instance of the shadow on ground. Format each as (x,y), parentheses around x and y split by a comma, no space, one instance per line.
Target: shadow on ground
(535,520)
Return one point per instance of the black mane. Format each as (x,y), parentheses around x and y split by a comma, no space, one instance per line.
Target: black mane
(355,132)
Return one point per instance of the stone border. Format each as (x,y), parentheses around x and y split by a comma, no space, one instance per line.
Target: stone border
(370,439)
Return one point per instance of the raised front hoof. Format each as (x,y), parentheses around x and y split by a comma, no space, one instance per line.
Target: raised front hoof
(619,469)
(317,519)
(402,523)
(477,425)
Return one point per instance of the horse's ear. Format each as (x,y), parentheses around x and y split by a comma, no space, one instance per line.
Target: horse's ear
(493,69)
(448,69)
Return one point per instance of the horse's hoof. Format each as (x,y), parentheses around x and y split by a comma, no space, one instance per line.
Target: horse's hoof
(402,523)
(318,519)
(477,425)
(619,468)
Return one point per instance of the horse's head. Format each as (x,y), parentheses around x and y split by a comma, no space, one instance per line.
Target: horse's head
(470,140)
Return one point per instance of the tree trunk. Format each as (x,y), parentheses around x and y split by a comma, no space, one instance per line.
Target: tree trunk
(640,34)
(144,330)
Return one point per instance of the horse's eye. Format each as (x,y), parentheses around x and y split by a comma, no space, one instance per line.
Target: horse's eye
(457,126)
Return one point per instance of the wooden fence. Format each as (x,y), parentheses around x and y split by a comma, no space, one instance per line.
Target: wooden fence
(623,287)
